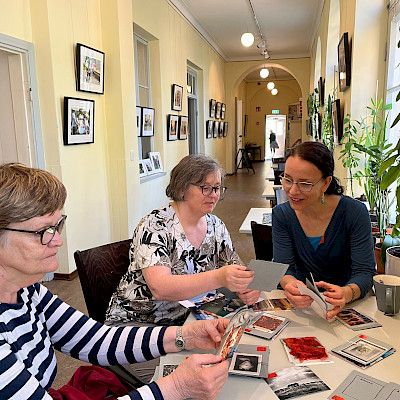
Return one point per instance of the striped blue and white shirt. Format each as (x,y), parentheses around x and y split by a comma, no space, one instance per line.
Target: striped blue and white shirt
(40,322)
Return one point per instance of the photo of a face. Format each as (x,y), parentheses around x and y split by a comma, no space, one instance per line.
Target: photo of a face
(247,364)
(364,350)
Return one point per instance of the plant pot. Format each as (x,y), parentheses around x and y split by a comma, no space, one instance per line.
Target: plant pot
(393,260)
(380,266)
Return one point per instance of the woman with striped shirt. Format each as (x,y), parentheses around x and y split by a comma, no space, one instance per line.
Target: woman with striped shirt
(34,322)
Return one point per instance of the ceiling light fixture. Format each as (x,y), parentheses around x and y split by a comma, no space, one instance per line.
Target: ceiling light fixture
(264,72)
(274,92)
(247,39)
(270,85)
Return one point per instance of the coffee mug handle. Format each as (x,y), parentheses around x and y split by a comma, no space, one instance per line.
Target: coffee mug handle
(389,306)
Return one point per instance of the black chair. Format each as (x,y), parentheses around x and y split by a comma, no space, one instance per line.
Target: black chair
(262,240)
(100,269)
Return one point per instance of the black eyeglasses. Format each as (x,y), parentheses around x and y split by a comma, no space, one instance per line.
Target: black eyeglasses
(47,234)
(304,187)
(206,190)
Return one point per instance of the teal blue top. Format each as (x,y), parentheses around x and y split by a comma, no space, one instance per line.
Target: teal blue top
(315,241)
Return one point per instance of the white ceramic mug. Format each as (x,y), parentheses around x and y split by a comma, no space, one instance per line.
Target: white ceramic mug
(387,291)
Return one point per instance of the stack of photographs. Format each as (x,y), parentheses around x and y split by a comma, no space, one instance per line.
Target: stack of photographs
(250,360)
(277,304)
(293,382)
(312,291)
(306,350)
(267,326)
(358,386)
(364,351)
(355,320)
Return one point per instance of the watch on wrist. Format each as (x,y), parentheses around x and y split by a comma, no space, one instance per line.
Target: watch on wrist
(179,340)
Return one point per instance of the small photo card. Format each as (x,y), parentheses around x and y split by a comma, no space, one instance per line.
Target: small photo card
(246,364)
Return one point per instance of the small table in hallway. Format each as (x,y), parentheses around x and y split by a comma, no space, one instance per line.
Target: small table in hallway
(254,214)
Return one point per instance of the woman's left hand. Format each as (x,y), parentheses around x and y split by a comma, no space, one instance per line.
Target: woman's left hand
(334,295)
(205,334)
(249,296)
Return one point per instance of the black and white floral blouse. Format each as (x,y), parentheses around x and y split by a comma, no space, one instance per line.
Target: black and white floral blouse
(159,239)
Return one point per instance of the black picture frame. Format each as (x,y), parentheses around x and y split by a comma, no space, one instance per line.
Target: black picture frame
(337,121)
(176,97)
(78,121)
(147,121)
(216,129)
(225,129)
(218,109)
(89,69)
(221,129)
(321,91)
(139,120)
(183,129)
(212,108)
(344,62)
(172,127)
(209,129)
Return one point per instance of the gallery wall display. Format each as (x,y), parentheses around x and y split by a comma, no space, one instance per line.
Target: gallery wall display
(172,127)
(139,120)
(183,127)
(89,69)
(176,97)
(147,121)
(344,61)
(78,121)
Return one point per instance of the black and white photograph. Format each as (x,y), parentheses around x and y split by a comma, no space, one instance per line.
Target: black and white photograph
(212,108)
(223,108)
(218,110)
(209,129)
(172,127)
(294,382)
(142,169)
(147,121)
(168,369)
(183,127)
(225,129)
(246,364)
(176,97)
(221,129)
(139,120)
(148,165)
(78,121)
(216,129)
(155,158)
(89,69)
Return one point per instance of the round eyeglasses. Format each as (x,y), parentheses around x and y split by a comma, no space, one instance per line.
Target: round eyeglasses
(304,187)
(206,190)
(46,234)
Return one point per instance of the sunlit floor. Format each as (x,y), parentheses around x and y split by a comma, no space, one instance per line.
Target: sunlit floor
(244,191)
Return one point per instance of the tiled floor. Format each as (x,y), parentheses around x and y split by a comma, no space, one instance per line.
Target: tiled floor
(244,191)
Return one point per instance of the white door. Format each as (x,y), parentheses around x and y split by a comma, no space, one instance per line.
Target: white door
(276,123)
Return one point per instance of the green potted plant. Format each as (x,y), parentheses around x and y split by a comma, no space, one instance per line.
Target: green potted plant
(327,124)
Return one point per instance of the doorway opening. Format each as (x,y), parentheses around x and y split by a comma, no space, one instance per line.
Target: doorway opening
(192,90)
(277,125)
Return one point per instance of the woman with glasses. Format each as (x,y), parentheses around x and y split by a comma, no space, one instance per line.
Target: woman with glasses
(321,231)
(34,322)
(180,251)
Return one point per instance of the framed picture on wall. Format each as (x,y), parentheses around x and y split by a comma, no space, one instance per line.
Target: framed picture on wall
(225,129)
(78,121)
(337,121)
(212,108)
(321,92)
(344,62)
(172,127)
(209,129)
(223,107)
(183,130)
(139,120)
(147,121)
(216,129)
(218,110)
(221,129)
(176,97)
(89,69)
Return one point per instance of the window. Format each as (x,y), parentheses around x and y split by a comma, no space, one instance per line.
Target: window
(143,90)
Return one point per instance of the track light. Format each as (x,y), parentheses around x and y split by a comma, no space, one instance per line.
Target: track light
(247,39)
(264,72)
(270,85)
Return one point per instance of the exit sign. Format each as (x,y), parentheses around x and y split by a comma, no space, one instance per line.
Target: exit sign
(275,112)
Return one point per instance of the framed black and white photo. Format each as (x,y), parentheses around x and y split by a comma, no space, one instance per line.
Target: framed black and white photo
(148,165)
(209,129)
(147,121)
(212,108)
(142,169)
(89,69)
(176,97)
(78,121)
(223,108)
(172,127)
(246,364)
(218,110)
(183,127)
(221,129)
(225,129)
(139,120)
(155,159)
(344,61)
(216,129)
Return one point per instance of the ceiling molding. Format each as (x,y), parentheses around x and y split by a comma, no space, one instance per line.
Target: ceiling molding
(184,12)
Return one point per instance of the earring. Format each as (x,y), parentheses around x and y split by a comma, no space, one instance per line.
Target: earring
(323,198)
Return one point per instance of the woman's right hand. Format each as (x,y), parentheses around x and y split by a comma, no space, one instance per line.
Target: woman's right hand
(235,277)
(293,294)
(200,376)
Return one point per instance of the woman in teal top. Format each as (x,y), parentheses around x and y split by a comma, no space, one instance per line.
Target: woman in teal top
(319,230)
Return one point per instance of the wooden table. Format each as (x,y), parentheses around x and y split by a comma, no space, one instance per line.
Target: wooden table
(330,334)
(255,214)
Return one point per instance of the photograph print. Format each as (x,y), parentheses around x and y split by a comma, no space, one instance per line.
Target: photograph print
(147,121)
(142,169)
(139,120)
(218,110)
(344,62)
(216,129)
(78,121)
(172,127)
(212,108)
(364,351)
(89,69)
(183,128)
(148,165)
(221,129)
(176,97)
(223,108)
(225,129)
(209,129)
(155,159)
(246,364)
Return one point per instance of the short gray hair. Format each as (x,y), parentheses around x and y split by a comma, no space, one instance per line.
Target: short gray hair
(191,170)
